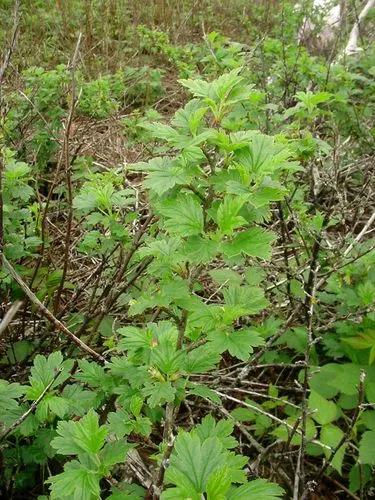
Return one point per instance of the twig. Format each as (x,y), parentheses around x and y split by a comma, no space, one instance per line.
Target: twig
(13,40)
(259,395)
(66,153)
(361,234)
(47,313)
(110,293)
(311,287)
(352,45)
(267,414)
(12,311)
(138,468)
(33,406)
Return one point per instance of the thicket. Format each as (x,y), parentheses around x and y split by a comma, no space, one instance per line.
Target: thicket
(188,268)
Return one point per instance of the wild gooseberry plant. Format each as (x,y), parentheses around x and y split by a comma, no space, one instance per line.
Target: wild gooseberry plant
(180,241)
(208,196)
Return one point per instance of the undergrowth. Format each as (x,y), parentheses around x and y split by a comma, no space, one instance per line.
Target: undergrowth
(187,285)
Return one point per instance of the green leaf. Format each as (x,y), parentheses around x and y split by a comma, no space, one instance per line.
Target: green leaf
(322,380)
(189,118)
(166,358)
(184,215)
(136,404)
(161,131)
(260,489)
(120,423)
(58,405)
(91,373)
(368,419)
(199,250)
(221,429)
(114,453)
(204,392)
(239,343)
(76,482)
(8,395)
(283,431)
(326,411)
(365,340)
(225,275)
(128,492)
(265,194)
(367,448)
(227,214)
(85,436)
(295,338)
(80,399)
(226,90)
(201,359)
(366,292)
(263,157)
(254,242)
(17,352)
(310,100)
(163,174)
(331,436)
(359,476)
(198,88)
(192,462)
(135,338)
(44,369)
(249,299)
(142,426)
(218,484)
(159,393)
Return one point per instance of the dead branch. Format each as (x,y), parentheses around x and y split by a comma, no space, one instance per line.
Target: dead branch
(352,45)
(47,313)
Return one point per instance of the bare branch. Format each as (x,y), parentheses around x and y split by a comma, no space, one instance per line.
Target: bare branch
(352,45)
(47,313)
(13,41)
(12,311)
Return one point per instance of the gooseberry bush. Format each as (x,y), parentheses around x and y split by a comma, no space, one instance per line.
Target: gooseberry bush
(209,194)
(184,246)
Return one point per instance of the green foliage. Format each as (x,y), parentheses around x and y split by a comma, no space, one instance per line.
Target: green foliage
(204,254)
(20,213)
(202,465)
(132,86)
